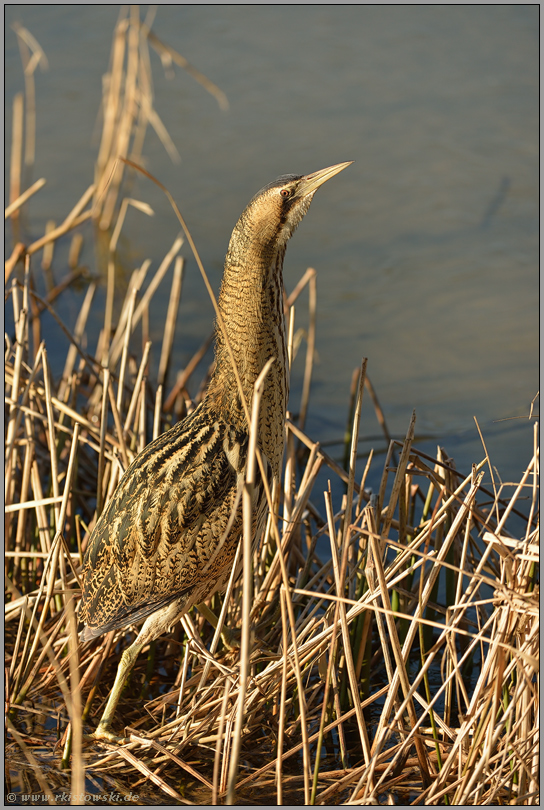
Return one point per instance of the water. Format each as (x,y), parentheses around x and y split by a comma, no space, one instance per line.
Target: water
(426,248)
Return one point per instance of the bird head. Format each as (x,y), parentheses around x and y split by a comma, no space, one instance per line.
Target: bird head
(275,211)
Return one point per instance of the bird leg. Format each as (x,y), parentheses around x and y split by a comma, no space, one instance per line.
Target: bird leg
(125,665)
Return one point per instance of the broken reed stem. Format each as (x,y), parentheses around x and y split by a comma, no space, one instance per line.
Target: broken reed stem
(22,198)
(74,218)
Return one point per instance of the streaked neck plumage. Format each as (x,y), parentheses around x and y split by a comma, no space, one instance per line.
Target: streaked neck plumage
(251,303)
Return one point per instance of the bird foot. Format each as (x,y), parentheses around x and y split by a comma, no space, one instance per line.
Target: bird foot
(232,639)
(103,734)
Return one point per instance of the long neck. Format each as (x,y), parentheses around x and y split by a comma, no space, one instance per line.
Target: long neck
(251,303)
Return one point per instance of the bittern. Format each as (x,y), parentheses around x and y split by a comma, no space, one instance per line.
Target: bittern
(168,537)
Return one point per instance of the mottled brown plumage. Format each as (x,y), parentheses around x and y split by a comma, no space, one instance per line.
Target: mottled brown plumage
(168,537)
(159,532)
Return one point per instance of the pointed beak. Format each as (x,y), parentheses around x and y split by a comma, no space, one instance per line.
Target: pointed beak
(311,182)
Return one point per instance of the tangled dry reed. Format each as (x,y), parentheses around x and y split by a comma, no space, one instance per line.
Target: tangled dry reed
(392,640)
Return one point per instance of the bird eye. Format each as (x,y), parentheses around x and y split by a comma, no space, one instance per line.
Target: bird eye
(285,193)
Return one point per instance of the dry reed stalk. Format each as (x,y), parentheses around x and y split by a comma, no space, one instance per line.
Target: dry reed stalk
(310,351)
(21,326)
(378,410)
(184,376)
(64,387)
(121,336)
(137,387)
(42,781)
(171,317)
(16,152)
(75,249)
(298,675)
(101,455)
(117,421)
(74,218)
(16,255)
(341,570)
(148,774)
(32,55)
(247,510)
(125,114)
(135,283)
(126,337)
(139,205)
(49,247)
(142,425)
(168,54)
(22,198)
(128,107)
(54,292)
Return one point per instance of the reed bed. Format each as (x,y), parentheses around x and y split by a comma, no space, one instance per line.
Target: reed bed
(389,651)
